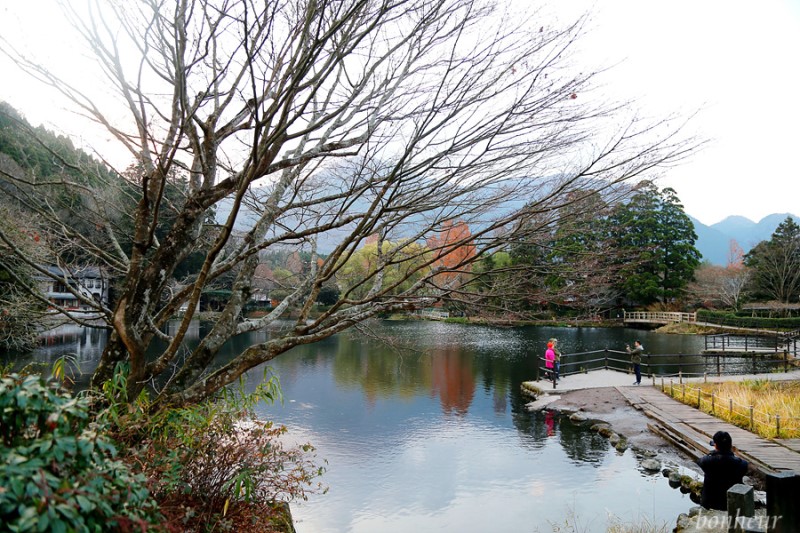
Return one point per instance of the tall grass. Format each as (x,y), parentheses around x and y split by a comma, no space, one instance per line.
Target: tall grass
(732,402)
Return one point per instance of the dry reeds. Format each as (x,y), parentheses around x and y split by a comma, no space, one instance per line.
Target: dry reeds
(770,409)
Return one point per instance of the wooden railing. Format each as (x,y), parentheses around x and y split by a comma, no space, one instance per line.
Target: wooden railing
(658,317)
(727,342)
(671,365)
(433,313)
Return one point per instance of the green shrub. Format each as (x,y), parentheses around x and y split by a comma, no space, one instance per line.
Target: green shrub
(60,472)
(737,320)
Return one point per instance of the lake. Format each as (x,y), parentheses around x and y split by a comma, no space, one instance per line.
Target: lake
(425,430)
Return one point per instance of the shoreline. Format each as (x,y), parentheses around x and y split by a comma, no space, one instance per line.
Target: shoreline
(607,406)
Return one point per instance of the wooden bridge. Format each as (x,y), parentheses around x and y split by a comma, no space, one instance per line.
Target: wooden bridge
(658,317)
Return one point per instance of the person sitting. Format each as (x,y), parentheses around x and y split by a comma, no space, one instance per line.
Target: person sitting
(722,470)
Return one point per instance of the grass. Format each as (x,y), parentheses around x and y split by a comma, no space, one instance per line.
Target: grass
(572,523)
(767,398)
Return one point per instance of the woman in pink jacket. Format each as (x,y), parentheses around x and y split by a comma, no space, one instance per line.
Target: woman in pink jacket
(549,360)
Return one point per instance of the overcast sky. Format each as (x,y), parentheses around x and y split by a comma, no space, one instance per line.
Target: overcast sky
(738,61)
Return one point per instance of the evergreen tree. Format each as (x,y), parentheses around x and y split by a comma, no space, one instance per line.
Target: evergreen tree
(776,264)
(653,229)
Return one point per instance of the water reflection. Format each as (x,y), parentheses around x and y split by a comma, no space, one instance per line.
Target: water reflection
(438,439)
(428,432)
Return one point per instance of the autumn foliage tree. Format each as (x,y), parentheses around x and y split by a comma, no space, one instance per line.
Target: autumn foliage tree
(454,253)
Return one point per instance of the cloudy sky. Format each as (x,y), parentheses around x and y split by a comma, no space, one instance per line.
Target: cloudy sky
(736,61)
(739,62)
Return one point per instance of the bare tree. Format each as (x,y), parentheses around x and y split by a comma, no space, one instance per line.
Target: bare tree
(324,122)
(724,286)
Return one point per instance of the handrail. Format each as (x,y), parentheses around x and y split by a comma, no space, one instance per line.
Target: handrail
(659,365)
(750,343)
(658,316)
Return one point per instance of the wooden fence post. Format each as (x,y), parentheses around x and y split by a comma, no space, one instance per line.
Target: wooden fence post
(713,395)
(752,421)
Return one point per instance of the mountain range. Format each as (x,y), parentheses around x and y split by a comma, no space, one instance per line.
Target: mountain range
(714,241)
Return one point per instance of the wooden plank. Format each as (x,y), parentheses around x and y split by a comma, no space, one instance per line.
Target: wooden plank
(676,442)
(689,430)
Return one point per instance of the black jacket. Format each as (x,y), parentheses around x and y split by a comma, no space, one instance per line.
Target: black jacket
(722,471)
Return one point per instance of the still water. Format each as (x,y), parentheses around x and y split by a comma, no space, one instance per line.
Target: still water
(426,431)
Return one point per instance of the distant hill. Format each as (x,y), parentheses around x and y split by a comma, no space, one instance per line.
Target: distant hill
(714,241)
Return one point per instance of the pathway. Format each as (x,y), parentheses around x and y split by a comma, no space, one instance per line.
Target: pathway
(689,429)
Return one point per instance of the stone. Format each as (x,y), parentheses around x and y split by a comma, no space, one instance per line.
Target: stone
(644,452)
(749,524)
(577,418)
(686,481)
(703,521)
(541,402)
(529,388)
(682,522)
(782,490)
(651,465)
(740,500)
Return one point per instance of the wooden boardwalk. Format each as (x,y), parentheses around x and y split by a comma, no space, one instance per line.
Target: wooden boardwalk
(690,430)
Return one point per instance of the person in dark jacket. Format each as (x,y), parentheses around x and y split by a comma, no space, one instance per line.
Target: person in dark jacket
(636,360)
(722,470)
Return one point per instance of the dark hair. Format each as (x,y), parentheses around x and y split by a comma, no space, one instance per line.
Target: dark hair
(723,441)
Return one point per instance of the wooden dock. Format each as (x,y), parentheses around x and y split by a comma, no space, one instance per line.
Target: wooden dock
(690,430)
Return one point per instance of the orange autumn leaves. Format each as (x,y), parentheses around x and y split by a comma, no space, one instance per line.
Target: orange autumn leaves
(454,251)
